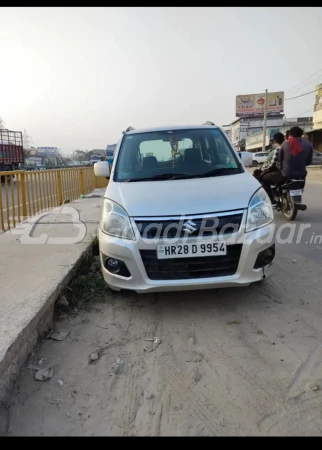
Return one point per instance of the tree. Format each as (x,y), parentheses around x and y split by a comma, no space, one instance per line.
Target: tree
(83,155)
(26,152)
(80,155)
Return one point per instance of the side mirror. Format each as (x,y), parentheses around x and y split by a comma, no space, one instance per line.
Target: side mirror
(102,169)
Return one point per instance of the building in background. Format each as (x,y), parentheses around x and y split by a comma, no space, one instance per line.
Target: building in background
(242,127)
(34,161)
(227,130)
(317,114)
(315,136)
(254,140)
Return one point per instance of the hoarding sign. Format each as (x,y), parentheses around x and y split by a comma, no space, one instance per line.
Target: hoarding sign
(253,105)
(48,151)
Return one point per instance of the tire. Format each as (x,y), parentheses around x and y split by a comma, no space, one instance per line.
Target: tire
(255,164)
(291,213)
(3,177)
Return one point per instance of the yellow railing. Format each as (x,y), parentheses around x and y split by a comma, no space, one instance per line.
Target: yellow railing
(24,194)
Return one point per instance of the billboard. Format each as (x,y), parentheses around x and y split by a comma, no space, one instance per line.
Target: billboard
(252,105)
(48,151)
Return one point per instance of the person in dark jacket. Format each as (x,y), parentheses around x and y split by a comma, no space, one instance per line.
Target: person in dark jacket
(294,155)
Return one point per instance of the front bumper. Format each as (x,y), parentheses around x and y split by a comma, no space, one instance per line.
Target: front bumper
(129,252)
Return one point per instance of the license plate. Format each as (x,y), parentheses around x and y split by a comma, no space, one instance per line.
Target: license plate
(296,193)
(190,250)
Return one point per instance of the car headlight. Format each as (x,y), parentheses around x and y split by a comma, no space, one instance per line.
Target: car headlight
(115,221)
(260,211)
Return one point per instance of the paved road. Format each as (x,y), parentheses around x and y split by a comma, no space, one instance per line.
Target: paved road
(242,361)
(310,245)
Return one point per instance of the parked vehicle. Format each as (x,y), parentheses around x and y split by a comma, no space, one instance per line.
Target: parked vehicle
(110,153)
(247,158)
(259,158)
(317,158)
(176,221)
(289,198)
(11,150)
(95,158)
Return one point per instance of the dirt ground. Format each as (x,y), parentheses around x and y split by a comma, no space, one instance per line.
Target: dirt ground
(231,362)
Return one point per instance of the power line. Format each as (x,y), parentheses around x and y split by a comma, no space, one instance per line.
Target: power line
(309,85)
(302,95)
(309,110)
(299,84)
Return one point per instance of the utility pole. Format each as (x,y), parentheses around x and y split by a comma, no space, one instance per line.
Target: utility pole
(265,122)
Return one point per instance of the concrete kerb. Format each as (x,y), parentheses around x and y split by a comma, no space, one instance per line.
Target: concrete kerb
(28,299)
(26,341)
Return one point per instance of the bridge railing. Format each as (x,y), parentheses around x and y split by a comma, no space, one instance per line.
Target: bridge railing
(27,193)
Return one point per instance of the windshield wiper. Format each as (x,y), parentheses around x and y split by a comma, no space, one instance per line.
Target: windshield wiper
(218,172)
(181,176)
(161,176)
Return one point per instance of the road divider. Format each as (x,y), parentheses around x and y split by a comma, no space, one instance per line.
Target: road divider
(25,194)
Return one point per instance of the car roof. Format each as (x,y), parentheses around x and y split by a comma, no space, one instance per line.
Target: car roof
(169,128)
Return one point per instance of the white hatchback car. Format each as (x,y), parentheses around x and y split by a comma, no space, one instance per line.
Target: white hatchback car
(181,212)
(259,158)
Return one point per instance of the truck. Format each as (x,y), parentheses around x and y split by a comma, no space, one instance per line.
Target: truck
(110,150)
(11,150)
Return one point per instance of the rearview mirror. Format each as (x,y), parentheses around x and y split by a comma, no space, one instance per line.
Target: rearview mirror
(102,169)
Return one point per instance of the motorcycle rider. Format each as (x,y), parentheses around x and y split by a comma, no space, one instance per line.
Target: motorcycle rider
(273,157)
(295,154)
(272,162)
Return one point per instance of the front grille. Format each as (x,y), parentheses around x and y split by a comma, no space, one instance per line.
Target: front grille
(191,268)
(150,229)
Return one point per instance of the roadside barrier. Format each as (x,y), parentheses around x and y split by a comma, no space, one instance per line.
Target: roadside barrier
(26,193)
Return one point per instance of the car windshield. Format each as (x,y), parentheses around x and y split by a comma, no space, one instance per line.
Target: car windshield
(178,154)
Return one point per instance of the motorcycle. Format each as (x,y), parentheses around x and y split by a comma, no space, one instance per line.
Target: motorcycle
(288,198)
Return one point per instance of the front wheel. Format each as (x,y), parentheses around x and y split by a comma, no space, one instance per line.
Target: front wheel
(4,177)
(289,208)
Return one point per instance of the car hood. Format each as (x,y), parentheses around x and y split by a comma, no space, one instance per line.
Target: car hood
(183,197)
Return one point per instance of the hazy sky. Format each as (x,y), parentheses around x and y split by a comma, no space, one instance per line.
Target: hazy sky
(76,77)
